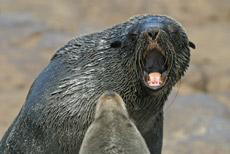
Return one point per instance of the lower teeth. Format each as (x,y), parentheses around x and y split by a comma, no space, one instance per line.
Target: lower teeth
(152,84)
(154,79)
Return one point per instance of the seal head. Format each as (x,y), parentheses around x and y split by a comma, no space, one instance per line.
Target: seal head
(160,44)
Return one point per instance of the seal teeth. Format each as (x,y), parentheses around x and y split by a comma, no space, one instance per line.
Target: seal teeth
(154,79)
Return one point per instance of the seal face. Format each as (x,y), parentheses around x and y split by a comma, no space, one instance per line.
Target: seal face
(156,40)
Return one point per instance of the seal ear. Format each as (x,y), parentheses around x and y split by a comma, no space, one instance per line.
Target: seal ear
(115,44)
(192,45)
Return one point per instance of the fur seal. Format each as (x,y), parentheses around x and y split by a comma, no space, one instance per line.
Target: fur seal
(112,131)
(60,104)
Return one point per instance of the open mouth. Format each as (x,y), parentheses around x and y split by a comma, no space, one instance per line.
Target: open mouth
(155,70)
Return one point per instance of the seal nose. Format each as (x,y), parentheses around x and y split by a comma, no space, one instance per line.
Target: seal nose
(109,92)
(152,32)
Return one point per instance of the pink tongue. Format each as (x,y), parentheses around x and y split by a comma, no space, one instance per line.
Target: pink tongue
(154,79)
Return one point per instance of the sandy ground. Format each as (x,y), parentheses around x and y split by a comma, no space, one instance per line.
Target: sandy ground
(31,31)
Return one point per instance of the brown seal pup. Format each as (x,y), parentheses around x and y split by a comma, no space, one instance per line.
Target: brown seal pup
(141,59)
(112,131)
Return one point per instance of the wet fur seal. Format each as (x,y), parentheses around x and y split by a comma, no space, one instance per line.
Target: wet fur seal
(112,131)
(60,104)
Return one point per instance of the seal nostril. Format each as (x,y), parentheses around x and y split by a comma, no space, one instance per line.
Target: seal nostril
(152,32)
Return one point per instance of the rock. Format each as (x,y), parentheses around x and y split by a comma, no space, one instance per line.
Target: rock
(27,42)
(197,123)
(195,80)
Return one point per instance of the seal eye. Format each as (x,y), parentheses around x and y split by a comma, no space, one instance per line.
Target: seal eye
(133,35)
(173,33)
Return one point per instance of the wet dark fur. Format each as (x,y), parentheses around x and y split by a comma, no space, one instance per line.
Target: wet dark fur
(60,104)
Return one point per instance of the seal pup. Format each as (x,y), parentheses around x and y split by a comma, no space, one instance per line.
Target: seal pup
(112,131)
(60,103)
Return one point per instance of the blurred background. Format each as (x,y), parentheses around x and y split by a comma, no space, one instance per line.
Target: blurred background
(197,114)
